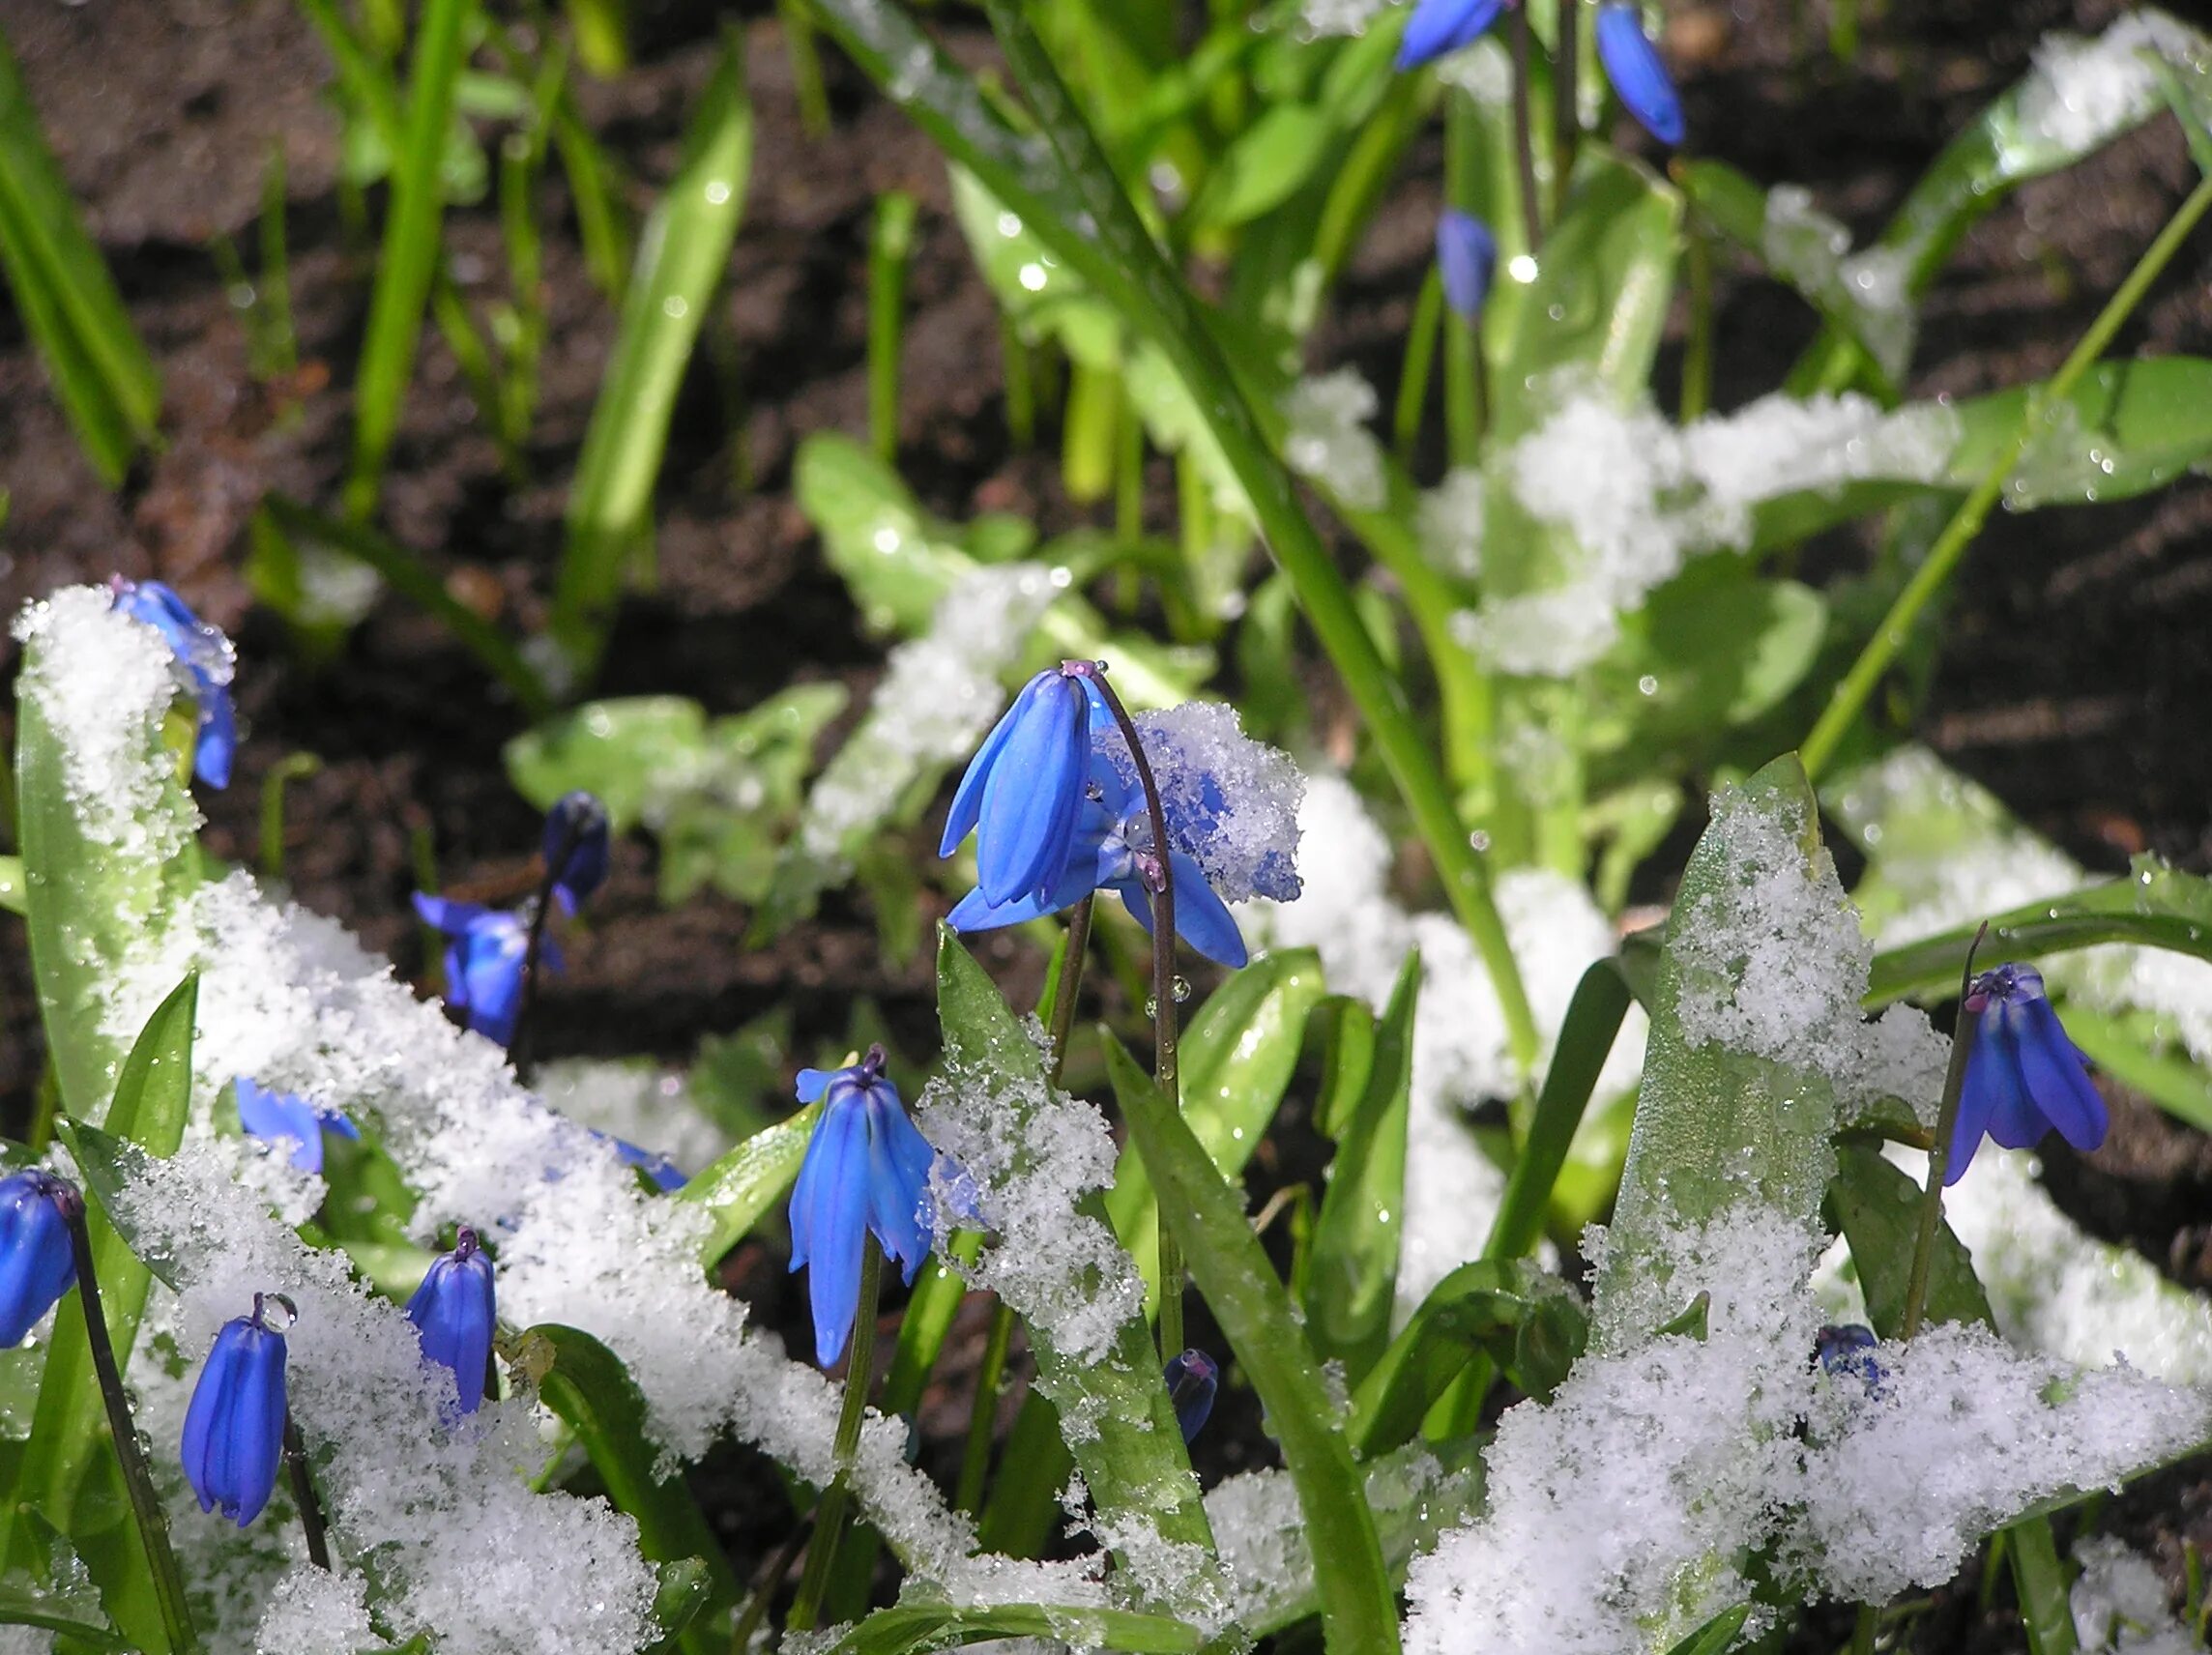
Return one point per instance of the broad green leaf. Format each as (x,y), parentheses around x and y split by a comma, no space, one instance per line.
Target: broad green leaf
(681,257)
(922,1625)
(624,750)
(1264,164)
(1132,1460)
(1358,1612)
(47,1586)
(1034,1465)
(2133,1048)
(2120,912)
(13,898)
(745,1183)
(1352,1276)
(1235,1060)
(1877,1209)
(583,1382)
(1717,1636)
(1713,648)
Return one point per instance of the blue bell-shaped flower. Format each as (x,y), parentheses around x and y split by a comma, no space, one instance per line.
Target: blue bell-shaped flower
(2023,1076)
(485,960)
(206,659)
(1467,259)
(455,1314)
(1437,27)
(1022,790)
(575,846)
(867,1169)
(234,1429)
(1632,63)
(1192,1380)
(277,1116)
(36,1266)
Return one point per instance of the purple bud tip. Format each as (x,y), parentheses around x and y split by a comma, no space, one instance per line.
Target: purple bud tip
(465,1244)
(873,1065)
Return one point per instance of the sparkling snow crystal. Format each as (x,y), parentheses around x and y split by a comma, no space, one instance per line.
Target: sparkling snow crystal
(1232,803)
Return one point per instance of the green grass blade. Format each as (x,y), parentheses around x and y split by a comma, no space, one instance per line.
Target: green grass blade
(2040,1580)
(408,575)
(750,1178)
(106,382)
(1078,207)
(409,258)
(586,1384)
(679,262)
(941,1626)
(1359,1614)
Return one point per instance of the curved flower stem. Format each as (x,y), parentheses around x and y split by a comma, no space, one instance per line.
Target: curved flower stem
(1857,687)
(1523,134)
(829,1511)
(1940,1152)
(304,1494)
(1163,1007)
(138,1478)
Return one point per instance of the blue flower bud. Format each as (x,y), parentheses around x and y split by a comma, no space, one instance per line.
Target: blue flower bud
(234,1429)
(1441,26)
(1192,1380)
(453,1314)
(206,661)
(1022,790)
(1467,258)
(867,1169)
(1632,63)
(485,960)
(1848,1348)
(283,1116)
(577,847)
(36,1264)
(2023,1076)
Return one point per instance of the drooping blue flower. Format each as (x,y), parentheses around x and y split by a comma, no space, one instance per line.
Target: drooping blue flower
(234,1430)
(867,1167)
(35,1264)
(2023,1076)
(1022,790)
(575,846)
(1467,258)
(1639,75)
(1441,26)
(1192,1380)
(273,1115)
(1849,1348)
(454,1315)
(1112,842)
(206,659)
(485,960)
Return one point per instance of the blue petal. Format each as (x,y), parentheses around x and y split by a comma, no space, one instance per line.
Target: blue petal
(339,1122)
(36,1266)
(207,1416)
(829,1219)
(455,1314)
(1202,919)
(256,1436)
(278,1115)
(1989,1082)
(217,738)
(968,796)
(813,1083)
(1467,258)
(1632,63)
(899,1159)
(453,918)
(1034,793)
(665,1173)
(1441,26)
(2056,1080)
(1077,880)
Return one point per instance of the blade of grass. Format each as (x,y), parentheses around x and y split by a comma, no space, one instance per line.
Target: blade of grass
(680,261)
(412,223)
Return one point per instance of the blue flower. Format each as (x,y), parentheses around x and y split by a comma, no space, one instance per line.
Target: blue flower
(1441,26)
(867,1167)
(1849,1348)
(1632,63)
(453,1314)
(36,1264)
(1112,845)
(1022,790)
(1467,258)
(234,1430)
(485,960)
(575,846)
(284,1114)
(1192,1380)
(2023,1076)
(208,662)
(665,1173)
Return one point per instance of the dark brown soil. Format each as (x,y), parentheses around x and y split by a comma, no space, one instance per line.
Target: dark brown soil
(2072,682)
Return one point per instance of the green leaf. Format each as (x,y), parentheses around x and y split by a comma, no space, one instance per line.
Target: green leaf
(2039,1579)
(624,750)
(2123,429)
(1710,650)
(681,258)
(13,898)
(1236,1059)
(2102,914)
(750,1180)
(1264,164)
(1358,1612)
(1352,1279)
(46,1586)
(1717,1636)
(2130,1048)
(1877,1209)
(582,1381)
(911,1626)
(409,255)
(1132,1460)
(65,296)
